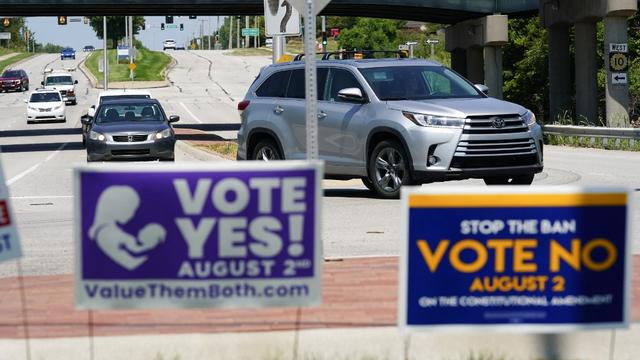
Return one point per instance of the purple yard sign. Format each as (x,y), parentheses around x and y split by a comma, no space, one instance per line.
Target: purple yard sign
(246,235)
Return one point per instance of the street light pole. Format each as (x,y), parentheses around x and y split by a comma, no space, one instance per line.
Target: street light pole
(105,59)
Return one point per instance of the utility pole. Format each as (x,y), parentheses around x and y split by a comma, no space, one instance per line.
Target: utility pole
(324,33)
(230,32)
(256,39)
(131,50)
(246,25)
(238,32)
(126,30)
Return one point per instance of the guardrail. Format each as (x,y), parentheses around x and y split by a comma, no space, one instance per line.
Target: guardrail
(593,132)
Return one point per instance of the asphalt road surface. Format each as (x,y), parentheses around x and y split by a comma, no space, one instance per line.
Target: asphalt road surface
(205,88)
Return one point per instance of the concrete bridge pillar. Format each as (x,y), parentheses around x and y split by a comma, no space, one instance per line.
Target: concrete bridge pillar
(476,50)
(559,71)
(586,72)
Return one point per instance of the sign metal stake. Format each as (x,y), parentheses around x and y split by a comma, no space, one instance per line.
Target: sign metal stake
(23,301)
(310,73)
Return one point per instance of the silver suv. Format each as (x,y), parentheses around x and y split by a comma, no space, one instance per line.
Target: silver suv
(391,122)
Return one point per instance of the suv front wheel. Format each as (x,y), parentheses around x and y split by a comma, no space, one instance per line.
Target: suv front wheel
(388,169)
(266,150)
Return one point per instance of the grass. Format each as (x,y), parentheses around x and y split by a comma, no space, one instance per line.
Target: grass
(151,65)
(13,59)
(250,52)
(226,149)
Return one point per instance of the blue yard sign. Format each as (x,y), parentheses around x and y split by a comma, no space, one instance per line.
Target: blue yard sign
(208,236)
(541,259)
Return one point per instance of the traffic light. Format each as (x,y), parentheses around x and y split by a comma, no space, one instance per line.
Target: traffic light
(181,27)
(324,39)
(162,26)
(6,22)
(62,20)
(168,19)
(192,17)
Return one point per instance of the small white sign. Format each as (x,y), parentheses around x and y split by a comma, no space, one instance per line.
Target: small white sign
(619,78)
(301,5)
(622,48)
(281,18)
(9,240)
(5,36)
(403,47)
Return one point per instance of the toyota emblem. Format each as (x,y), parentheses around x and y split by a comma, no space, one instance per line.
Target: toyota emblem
(130,138)
(497,122)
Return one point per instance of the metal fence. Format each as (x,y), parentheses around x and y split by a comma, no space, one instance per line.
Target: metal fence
(594,132)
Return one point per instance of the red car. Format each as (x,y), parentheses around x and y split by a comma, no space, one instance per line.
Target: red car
(14,80)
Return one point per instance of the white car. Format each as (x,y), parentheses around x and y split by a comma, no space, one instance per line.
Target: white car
(62,81)
(169,44)
(46,105)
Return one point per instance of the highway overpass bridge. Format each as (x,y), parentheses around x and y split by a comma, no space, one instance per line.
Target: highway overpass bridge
(478,29)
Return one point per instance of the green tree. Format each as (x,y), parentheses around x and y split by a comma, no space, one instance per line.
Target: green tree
(525,65)
(16,29)
(115,27)
(371,34)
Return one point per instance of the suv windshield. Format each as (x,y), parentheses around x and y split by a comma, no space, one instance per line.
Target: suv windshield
(418,83)
(113,113)
(8,74)
(44,97)
(59,80)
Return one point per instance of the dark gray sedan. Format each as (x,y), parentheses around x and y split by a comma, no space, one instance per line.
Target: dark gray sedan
(130,130)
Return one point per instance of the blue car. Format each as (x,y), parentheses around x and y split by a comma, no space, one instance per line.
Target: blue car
(68,53)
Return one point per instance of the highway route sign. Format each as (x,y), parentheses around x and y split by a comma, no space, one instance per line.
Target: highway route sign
(622,48)
(618,61)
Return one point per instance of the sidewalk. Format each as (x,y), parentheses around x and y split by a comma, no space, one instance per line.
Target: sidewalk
(357,293)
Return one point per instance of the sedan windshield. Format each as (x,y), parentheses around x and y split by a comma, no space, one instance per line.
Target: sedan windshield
(418,83)
(59,80)
(45,97)
(119,113)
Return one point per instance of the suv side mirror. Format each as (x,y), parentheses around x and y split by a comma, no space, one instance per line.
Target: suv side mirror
(352,95)
(482,88)
(75,82)
(85,120)
(174,118)
(42,83)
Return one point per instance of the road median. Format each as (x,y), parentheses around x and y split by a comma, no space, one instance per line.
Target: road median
(150,72)
(14,60)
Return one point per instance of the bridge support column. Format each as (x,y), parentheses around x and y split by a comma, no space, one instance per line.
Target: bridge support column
(617,91)
(459,61)
(475,65)
(559,71)
(476,48)
(586,72)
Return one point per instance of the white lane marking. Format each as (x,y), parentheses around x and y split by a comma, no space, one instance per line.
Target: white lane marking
(190,113)
(36,166)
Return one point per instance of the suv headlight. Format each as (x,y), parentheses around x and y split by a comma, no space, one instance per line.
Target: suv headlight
(434,121)
(163,134)
(529,118)
(97,136)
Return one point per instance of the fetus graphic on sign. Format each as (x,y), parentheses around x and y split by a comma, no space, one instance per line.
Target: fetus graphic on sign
(116,206)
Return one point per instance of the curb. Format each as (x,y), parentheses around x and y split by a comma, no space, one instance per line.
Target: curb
(199,154)
(122,85)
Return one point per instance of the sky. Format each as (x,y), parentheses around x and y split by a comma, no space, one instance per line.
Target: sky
(78,35)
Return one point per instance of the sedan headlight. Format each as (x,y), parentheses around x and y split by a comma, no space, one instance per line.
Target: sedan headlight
(32,108)
(163,134)
(57,107)
(97,136)
(434,121)
(529,118)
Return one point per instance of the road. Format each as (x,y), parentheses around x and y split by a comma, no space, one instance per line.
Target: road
(38,162)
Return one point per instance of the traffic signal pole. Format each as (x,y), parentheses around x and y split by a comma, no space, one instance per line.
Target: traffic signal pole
(104,54)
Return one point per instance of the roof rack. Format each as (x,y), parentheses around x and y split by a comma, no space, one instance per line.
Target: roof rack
(356,54)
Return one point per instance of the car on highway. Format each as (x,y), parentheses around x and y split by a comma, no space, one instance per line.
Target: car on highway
(169,44)
(131,129)
(67,53)
(391,122)
(14,80)
(62,81)
(88,48)
(46,106)
(108,96)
